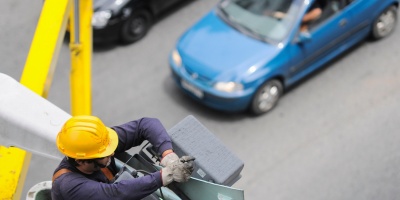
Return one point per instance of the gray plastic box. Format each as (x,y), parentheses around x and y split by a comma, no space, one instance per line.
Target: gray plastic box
(214,161)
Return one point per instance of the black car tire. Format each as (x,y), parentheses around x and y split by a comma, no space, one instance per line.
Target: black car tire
(385,23)
(136,27)
(266,97)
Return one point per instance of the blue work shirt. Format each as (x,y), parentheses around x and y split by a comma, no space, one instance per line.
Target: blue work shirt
(77,185)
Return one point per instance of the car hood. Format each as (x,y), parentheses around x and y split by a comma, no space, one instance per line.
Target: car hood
(215,50)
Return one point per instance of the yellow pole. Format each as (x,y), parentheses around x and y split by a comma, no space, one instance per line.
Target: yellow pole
(14,167)
(81,56)
(43,54)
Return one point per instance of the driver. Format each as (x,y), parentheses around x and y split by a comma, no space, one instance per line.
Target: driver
(89,146)
(312,14)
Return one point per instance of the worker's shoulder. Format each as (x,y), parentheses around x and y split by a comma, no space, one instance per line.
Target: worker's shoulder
(68,177)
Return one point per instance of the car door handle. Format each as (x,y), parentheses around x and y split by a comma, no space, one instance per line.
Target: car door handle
(343,22)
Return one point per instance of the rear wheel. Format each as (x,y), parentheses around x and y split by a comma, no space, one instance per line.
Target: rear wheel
(266,97)
(385,23)
(136,27)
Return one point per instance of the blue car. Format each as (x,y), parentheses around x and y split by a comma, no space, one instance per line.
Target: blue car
(244,53)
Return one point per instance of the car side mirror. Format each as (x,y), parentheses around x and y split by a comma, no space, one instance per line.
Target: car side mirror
(303,37)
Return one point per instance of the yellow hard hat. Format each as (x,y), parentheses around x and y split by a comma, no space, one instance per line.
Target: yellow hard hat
(86,137)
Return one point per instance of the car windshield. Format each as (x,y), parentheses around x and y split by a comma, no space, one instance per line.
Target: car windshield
(267,20)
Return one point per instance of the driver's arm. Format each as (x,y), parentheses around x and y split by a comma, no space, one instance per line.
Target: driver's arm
(312,14)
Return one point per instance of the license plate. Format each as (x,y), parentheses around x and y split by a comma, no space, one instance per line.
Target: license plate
(197,92)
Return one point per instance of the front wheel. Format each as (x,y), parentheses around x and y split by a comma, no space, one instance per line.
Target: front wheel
(385,23)
(136,27)
(266,97)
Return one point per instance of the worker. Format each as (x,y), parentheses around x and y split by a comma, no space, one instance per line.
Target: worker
(89,146)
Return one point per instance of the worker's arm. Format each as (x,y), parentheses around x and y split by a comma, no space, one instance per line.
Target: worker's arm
(133,134)
(77,186)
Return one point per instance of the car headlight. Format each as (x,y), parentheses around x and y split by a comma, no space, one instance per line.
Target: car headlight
(100,18)
(228,86)
(176,58)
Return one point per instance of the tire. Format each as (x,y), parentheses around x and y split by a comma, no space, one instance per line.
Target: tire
(136,27)
(385,23)
(266,97)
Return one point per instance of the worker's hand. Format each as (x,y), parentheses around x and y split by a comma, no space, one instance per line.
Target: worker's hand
(169,158)
(179,170)
(188,162)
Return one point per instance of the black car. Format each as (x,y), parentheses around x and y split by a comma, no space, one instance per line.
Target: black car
(126,21)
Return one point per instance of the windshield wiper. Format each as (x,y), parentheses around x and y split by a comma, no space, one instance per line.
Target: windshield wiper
(225,14)
(247,30)
(241,28)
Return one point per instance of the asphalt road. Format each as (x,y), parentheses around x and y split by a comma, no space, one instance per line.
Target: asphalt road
(333,136)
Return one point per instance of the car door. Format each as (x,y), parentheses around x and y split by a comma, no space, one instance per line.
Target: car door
(363,13)
(325,37)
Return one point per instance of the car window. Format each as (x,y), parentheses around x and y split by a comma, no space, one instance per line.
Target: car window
(270,20)
(329,8)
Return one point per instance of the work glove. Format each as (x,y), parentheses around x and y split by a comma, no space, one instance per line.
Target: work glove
(179,170)
(169,158)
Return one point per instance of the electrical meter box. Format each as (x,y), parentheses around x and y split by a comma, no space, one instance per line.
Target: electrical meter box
(214,161)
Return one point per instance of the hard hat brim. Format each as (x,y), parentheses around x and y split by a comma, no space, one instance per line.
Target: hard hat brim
(112,144)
